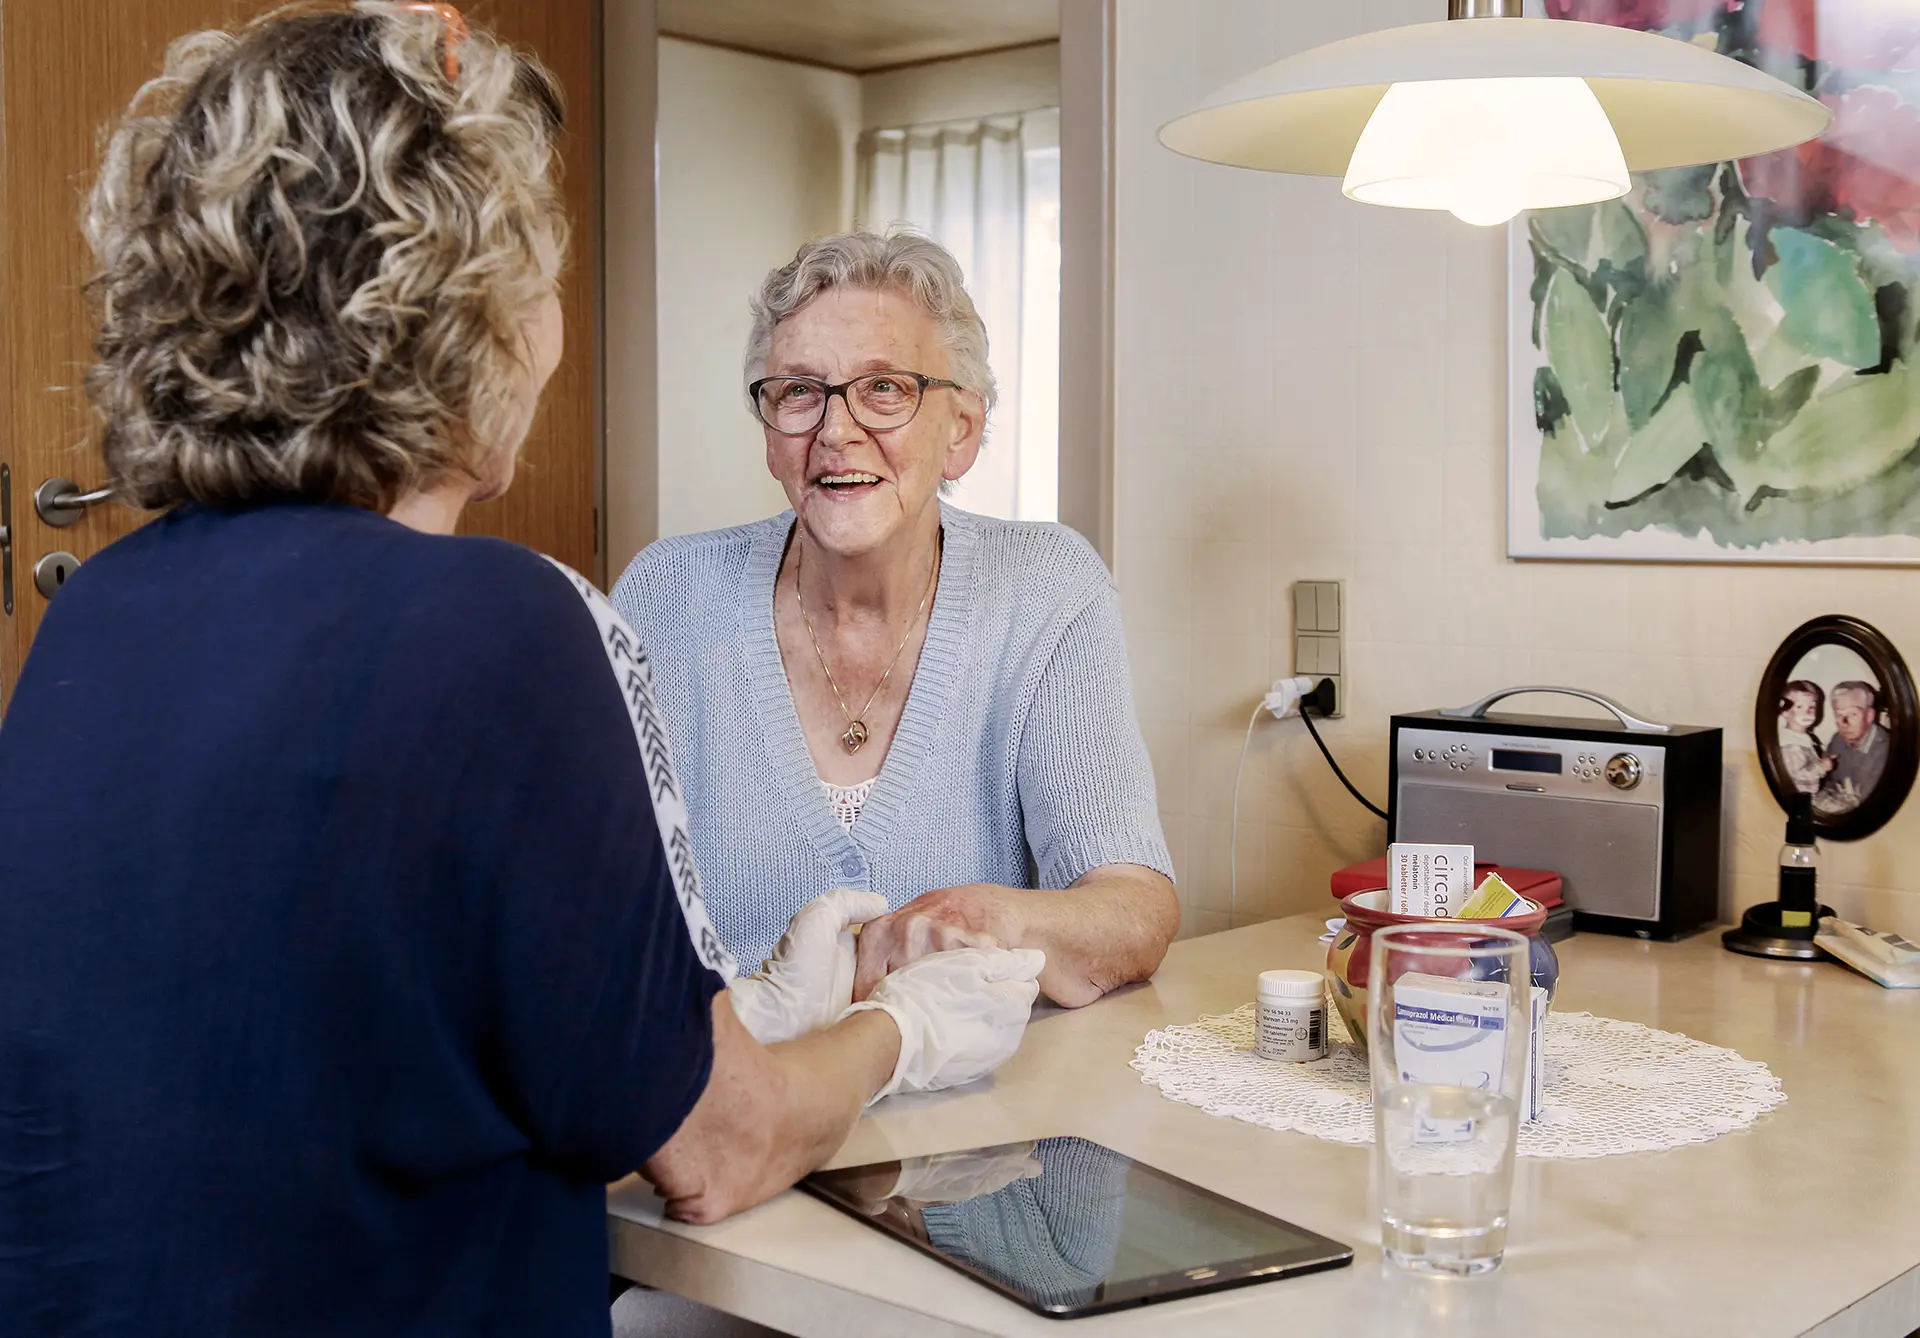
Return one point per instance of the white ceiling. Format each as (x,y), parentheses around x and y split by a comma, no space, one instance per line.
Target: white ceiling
(863,35)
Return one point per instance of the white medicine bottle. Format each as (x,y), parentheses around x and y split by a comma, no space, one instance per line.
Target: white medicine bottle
(1292,1023)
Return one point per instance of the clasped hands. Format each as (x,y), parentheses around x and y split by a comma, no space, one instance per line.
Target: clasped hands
(959,999)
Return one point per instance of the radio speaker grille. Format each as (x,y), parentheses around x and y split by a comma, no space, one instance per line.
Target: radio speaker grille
(1606,853)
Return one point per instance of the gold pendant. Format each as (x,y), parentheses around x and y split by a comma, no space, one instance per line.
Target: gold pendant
(855,735)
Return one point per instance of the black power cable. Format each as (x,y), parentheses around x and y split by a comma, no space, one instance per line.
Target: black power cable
(1321,700)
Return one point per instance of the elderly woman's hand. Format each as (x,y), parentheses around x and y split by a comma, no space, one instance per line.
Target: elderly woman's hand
(978,915)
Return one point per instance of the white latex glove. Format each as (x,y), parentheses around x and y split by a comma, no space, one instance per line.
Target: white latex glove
(955,1177)
(808,983)
(961,1014)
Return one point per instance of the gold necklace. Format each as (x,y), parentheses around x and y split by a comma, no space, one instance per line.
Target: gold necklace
(856,733)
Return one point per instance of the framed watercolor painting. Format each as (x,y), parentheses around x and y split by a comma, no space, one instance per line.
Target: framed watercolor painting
(1724,365)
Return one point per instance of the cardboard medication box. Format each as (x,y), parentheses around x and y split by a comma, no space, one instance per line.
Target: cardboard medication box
(1453,1033)
(1429,880)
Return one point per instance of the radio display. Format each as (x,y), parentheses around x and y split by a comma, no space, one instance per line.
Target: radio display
(1514,759)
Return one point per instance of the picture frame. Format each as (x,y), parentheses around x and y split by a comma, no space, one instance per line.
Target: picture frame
(1836,718)
(1722,366)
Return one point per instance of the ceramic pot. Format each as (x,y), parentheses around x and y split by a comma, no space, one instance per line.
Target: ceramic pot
(1350,957)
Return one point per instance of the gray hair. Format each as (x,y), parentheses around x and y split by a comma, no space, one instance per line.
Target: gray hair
(1868,695)
(905,261)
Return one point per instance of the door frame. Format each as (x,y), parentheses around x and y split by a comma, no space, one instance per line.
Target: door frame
(630,513)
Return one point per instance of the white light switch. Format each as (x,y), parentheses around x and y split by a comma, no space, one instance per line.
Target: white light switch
(1327,598)
(1319,647)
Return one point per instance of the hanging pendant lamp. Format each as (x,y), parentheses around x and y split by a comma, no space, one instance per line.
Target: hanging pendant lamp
(1490,113)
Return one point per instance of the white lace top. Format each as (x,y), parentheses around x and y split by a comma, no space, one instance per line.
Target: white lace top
(847,800)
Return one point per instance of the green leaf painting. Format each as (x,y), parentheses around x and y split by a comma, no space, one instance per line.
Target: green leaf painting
(1724,362)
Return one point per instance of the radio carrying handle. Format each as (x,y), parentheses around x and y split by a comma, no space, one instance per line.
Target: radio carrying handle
(1478,711)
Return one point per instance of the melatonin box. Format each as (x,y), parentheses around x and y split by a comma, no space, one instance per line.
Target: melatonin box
(1427,880)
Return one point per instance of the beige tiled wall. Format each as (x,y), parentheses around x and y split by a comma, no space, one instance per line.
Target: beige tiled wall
(1313,389)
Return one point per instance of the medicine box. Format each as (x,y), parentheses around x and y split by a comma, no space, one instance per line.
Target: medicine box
(1453,1033)
(1532,1091)
(1428,880)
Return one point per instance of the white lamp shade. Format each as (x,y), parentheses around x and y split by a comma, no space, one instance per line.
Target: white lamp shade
(1670,103)
(1487,148)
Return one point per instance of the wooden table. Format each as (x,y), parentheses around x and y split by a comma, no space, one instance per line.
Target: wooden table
(1808,1223)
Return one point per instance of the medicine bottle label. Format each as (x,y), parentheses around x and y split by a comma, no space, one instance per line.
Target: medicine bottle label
(1294,1031)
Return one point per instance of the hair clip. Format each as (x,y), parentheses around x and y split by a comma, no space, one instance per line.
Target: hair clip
(456,25)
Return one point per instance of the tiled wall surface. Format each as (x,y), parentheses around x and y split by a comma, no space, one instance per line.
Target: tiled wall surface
(1312,389)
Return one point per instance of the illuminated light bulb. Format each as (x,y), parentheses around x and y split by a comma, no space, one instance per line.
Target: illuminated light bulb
(1484,149)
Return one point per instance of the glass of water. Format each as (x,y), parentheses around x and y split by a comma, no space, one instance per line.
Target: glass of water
(1447,1025)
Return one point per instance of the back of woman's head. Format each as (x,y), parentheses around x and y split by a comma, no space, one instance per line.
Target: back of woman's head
(315,240)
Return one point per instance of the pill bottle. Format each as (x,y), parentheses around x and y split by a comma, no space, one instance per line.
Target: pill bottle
(1293,1016)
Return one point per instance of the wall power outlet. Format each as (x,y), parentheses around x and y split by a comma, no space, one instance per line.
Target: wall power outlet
(1319,635)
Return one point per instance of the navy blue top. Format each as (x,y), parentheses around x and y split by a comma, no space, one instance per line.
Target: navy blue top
(340,966)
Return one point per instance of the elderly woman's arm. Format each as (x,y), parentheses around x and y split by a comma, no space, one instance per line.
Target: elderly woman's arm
(1106,909)
(1111,928)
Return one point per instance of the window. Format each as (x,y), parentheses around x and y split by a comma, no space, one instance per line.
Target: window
(989,191)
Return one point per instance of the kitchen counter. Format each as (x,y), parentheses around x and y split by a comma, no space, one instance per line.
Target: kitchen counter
(1807,1223)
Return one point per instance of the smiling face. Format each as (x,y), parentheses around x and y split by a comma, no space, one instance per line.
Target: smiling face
(856,489)
(1802,712)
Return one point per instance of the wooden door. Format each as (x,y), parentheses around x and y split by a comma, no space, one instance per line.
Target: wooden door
(67,69)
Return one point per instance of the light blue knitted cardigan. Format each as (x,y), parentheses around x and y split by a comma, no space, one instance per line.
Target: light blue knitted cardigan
(1018,761)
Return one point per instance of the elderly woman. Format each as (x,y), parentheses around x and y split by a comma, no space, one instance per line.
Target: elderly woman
(874,689)
(341,959)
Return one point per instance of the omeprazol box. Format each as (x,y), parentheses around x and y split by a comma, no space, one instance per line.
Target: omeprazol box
(1453,1033)
(1532,1091)
(1428,880)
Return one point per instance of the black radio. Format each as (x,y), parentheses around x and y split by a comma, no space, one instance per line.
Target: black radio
(1626,811)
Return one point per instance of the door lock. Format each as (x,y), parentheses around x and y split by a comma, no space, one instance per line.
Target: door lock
(6,540)
(51,572)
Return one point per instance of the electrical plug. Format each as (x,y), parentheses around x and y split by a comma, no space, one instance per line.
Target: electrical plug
(1284,700)
(1322,699)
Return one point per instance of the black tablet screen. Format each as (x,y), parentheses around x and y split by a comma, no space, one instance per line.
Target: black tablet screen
(1067,1224)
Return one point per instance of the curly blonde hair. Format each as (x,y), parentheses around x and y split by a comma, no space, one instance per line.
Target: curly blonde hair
(316,242)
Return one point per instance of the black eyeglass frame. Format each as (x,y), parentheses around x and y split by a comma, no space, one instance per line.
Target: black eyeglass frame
(830,390)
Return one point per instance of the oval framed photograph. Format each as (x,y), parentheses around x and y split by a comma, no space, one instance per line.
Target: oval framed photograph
(1836,719)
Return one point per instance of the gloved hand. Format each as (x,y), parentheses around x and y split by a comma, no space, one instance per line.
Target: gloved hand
(808,983)
(955,1177)
(961,1014)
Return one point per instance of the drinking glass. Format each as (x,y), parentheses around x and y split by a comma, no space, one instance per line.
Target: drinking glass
(1447,1023)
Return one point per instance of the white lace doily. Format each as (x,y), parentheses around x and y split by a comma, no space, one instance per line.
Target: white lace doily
(1610,1086)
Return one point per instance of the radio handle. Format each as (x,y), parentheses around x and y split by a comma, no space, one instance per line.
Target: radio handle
(1478,711)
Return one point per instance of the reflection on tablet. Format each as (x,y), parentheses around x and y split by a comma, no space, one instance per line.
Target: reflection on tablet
(1069,1227)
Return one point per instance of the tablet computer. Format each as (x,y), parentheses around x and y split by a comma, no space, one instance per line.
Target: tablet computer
(1067,1227)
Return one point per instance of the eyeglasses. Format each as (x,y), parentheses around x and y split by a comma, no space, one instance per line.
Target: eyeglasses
(795,405)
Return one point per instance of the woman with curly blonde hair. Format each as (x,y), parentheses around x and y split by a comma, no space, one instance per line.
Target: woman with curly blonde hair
(349,942)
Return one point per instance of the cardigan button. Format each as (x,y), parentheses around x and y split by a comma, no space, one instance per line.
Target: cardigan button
(850,866)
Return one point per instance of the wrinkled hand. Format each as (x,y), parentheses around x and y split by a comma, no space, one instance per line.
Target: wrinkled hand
(961,1014)
(955,1177)
(978,915)
(808,982)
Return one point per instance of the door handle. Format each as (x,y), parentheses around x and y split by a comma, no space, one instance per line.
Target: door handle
(61,503)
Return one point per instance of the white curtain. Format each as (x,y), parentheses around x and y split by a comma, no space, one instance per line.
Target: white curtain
(989,191)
